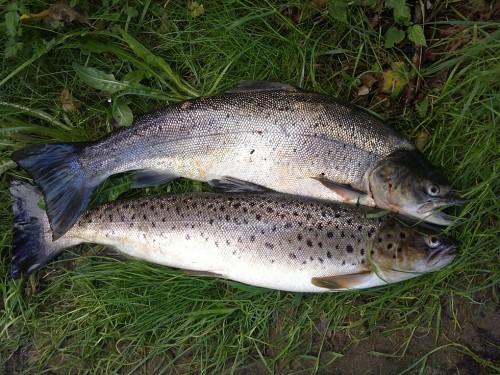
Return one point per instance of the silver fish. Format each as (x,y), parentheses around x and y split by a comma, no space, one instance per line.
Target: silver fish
(258,136)
(270,240)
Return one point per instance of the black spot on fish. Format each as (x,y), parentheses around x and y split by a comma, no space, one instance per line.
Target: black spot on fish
(299,237)
(329,234)
(269,245)
(144,217)
(292,256)
(328,254)
(309,243)
(336,247)
(110,217)
(400,249)
(269,209)
(178,210)
(258,217)
(402,235)
(245,210)
(380,239)
(349,249)
(188,237)
(153,224)
(349,221)
(360,228)
(304,262)
(252,151)
(343,262)
(252,238)
(320,260)
(320,244)
(370,232)
(211,221)
(234,252)
(131,225)
(342,234)
(337,215)
(311,258)
(389,246)
(372,252)
(228,218)
(240,240)
(237,205)
(163,219)
(320,226)
(295,213)
(362,252)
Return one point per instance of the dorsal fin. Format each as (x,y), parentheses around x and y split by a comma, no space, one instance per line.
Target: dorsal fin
(254,86)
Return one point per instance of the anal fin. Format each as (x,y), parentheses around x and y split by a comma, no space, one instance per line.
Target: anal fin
(350,281)
(149,177)
(203,274)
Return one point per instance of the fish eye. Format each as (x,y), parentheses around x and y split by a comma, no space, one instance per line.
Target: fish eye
(433,190)
(432,242)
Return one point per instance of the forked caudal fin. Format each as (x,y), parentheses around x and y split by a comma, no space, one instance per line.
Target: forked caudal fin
(56,170)
(32,244)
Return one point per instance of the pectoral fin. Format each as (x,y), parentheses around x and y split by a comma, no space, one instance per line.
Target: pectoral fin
(347,192)
(228,184)
(341,281)
(253,86)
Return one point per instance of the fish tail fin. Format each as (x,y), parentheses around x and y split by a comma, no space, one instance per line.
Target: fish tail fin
(58,172)
(32,244)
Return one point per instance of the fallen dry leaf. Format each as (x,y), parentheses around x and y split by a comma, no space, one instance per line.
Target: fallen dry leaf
(394,78)
(196,9)
(59,12)
(67,102)
(421,140)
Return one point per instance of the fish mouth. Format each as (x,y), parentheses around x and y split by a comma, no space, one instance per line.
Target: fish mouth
(438,255)
(439,217)
(452,199)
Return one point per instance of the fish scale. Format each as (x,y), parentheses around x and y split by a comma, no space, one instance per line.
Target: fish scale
(265,239)
(272,137)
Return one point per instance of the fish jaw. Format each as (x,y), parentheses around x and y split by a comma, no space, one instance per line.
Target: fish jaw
(406,184)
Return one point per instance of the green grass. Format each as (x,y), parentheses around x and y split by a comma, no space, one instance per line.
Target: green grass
(87,314)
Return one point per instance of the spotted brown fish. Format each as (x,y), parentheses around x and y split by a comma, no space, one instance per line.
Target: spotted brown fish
(270,240)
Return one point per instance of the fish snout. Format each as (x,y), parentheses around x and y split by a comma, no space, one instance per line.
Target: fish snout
(442,256)
(454,198)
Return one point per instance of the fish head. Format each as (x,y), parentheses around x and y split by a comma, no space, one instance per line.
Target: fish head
(400,252)
(404,182)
